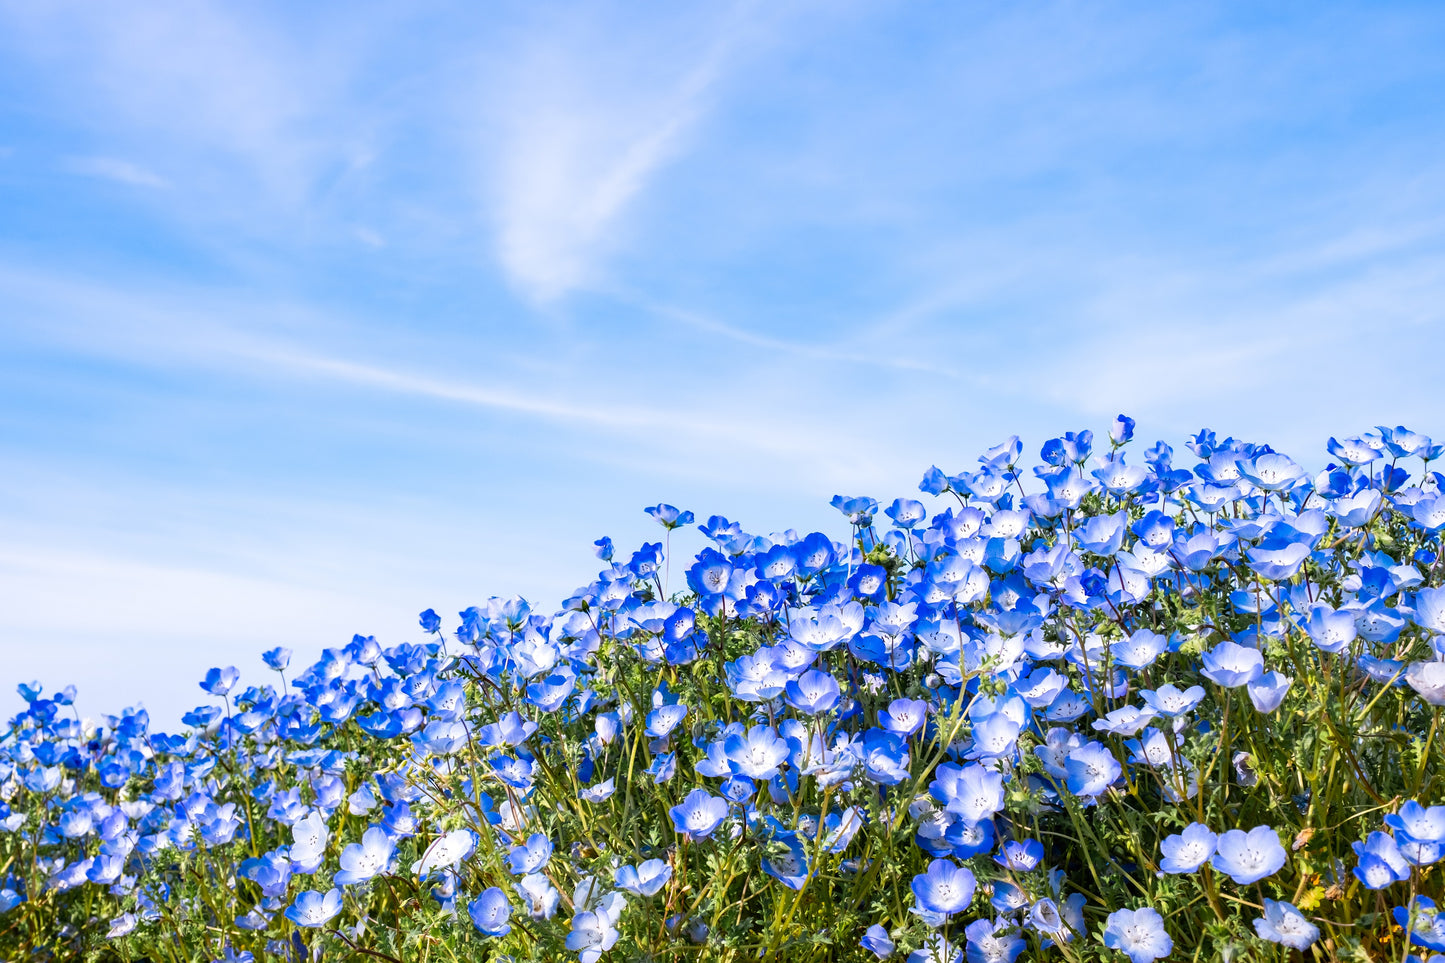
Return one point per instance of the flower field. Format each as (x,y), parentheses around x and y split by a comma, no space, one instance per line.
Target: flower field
(1109,708)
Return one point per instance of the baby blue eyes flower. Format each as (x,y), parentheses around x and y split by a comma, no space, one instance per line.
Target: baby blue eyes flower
(945,888)
(662,720)
(1168,701)
(1091,769)
(1283,923)
(758,754)
(1426,925)
(531,856)
(490,912)
(362,861)
(1187,851)
(904,716)
(311,909)
(1139,650)
(877,941)
(601,792)
(1249,857)
(1139,934)
(813,692)
(1418,822)
(699,814)
(278,658)
(669,517)
(219,682)
(592,935)
(646,878)
(1232,665)
(1380,862)
(1268,691)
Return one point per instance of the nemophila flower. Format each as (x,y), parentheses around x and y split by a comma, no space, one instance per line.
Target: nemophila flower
(1091,769)
(1423,922)
(1268,691)
(1232,665)
(490,912)
(541,896)
(1020,855)
(308,848)
(877,941)
(1139,934)
(669,517)
(1168,700)
(1185,852)
(662,720)
(813,692)
(1139,650)
(1426,824)
(600,792)
(1428,679)
(904,716)
(663,767)
(219,682)
(311,909)
(699,814)
(531,856)
(278,658)
(945,887)
(1380,862)
(756,754)
(364,860)
(592,935)
(993,941)
(445,851)
(1283,923)
(973,793)
(1249,857)
(1124,721)
(790,866)
(646,878)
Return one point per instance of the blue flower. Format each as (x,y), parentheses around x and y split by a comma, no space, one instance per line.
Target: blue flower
(1380,862)
(1167,700)
(669,517)
(1232,665)
(877,941)
(813,692)
(1283,923)
(1187,851)
(1091,769)
(758,754)
(1139,934)
(945,888)
(662,720)
(1418,822)
(531,856)
(592,935)
(312,909)
(278,658)
(490,912)
(645,879)
(218,682)
(992,941)
(1249,857)
(362,861)
(1268,691)
(904,716)
(790,867)
(699,814)
(600,792)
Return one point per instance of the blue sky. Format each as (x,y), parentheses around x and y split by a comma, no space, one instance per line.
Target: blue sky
(314,316)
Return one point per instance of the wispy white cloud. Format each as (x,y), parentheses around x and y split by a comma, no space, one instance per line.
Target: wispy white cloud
(585,125)
(115,169)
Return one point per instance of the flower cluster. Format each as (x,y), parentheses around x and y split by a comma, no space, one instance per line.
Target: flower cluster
(1106,711)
